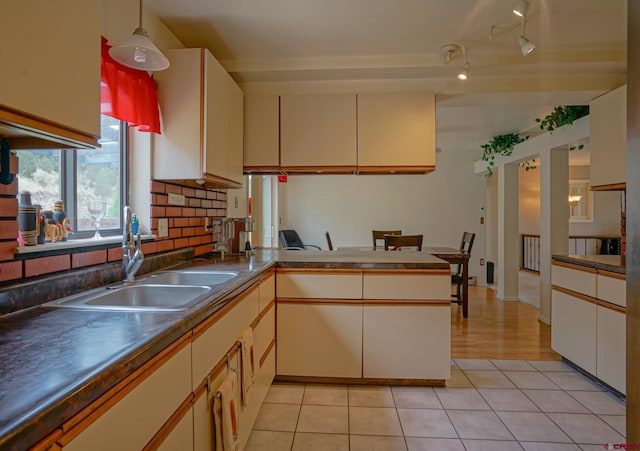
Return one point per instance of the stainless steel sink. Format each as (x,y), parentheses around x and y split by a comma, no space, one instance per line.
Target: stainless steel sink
(192,277)
(137,297)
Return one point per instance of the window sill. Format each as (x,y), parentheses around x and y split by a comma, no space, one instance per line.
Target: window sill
(67,247)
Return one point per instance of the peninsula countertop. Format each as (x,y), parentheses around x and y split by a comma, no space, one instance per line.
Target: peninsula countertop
(359,259)
(612,263)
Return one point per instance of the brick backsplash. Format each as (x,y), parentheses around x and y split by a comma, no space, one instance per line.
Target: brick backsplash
(186,230)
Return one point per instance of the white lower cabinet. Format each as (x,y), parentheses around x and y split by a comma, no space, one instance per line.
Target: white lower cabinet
(319,340)
(135,419)
(611,348)
(407,342)
(181,437)
(573,334)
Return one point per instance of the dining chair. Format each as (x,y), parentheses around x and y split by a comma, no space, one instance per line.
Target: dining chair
(289,240)
(397,242)
(378,235)
(329,244)
(456,276)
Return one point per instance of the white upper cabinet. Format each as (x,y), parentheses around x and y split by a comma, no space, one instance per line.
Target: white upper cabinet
(608,142)
(318,133)
(51,73)
(261,133)
(396,132)
(202,118)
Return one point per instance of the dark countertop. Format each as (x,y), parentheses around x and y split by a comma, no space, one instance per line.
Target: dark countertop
(613,263)
(57,361)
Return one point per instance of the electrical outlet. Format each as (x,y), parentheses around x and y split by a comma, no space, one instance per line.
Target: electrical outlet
(481,261)
(163,227)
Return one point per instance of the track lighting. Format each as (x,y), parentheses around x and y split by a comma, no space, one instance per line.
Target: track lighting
(464,72)
(522,8)
(526,46)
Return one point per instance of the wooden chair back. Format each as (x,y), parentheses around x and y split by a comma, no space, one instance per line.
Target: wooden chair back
(397,242)
(378,235)
(329,244)
(465,246)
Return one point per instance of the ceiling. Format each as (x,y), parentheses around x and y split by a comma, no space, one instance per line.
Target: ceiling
(272,44)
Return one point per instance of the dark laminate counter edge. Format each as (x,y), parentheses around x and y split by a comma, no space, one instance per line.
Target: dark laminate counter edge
(611,263)
(25,429)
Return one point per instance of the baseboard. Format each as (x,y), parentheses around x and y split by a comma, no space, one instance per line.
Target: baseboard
(544,319)
(510,299)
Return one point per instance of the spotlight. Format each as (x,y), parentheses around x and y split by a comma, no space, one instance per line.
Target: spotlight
(522,8)
(526,46)
(464,72)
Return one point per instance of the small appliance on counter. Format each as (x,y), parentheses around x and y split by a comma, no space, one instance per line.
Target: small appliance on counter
(235,235)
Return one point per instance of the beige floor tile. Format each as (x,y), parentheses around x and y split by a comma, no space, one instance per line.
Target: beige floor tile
(533,427)
(323,419)
(475,364)
(374,421)
(534,380)
(458,379)
(550,365)
(277,417)
(431,444)
(601,403)
(555,401)
(572,381)
(415,397)
(426,423)
(543,446)
(512,365)
(507,399)
(477,424)
(304,441)
(587,429)
(269,441)
(366,396)
(491,445)
(488,379)
(285,394)
(461,398)
(377,443)
(326,395)
(618,422)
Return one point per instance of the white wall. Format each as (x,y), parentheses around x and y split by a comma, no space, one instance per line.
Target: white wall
(440,205)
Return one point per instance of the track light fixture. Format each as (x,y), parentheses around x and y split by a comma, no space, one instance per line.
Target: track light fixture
(526,46)
(521,8)
(465,71)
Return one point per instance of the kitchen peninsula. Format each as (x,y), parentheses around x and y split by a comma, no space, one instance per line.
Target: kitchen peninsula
(357,316)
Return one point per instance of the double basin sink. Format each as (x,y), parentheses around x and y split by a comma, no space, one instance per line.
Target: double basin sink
(174,290)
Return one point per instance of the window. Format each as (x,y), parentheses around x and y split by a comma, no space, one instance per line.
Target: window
(580,201)
(90,182)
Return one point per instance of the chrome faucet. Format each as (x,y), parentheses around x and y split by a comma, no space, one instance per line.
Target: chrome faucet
(132,256)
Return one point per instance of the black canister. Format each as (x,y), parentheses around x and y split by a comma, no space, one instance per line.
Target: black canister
(27,219)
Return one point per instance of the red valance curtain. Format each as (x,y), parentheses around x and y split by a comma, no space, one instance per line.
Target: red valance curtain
(128,94)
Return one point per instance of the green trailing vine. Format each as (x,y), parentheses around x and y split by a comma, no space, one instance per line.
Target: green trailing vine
(504,144)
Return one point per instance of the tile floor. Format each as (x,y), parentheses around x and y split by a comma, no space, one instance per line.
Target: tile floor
(488,405)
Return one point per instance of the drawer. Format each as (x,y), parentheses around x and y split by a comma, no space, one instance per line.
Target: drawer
(574,279)
(406,286)
(612,289)
(267,289)
(325,285)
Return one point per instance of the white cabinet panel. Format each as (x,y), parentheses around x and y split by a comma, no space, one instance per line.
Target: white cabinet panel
(267,289)
(320,286)
(612,290)
(611,348)
(608,140)
(264,333)
(573,279)
(181,438)
(319,340)
(407,342)
(573,333)
(262,131)
(406,286)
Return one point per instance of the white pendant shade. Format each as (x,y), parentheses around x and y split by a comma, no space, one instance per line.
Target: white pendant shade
(526,46)
(139,52)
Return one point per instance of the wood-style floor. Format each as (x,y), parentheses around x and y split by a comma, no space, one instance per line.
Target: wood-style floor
(499,330)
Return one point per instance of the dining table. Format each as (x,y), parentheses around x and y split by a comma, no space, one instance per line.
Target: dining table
(450,254)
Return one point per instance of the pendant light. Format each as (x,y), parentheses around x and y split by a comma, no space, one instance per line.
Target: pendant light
(526,46)
(139,52)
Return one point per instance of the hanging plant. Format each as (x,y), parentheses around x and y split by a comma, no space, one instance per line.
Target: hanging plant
(500,145)
(562,115)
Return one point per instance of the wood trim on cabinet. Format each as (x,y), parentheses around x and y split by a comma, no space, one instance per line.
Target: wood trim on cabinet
(319,301)
(417,272)
(269,273)
(612,306)
(574,266)
(408,302)
(613,275)
(218,367)
(170,424)
(361,381)
(265,356)
(272,170)
(610,187)
(575,294)
(49,442)
(320,271)
(373,170)
(319,169)
(79,422)
(262,314)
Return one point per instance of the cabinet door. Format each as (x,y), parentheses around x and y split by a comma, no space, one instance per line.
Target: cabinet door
(608,141)
(261,132)
(135,419)
(181,437)
(319,340)
(407,342)
(573,329)
(52,71)
(611,348)
(396,130)
(318,131)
